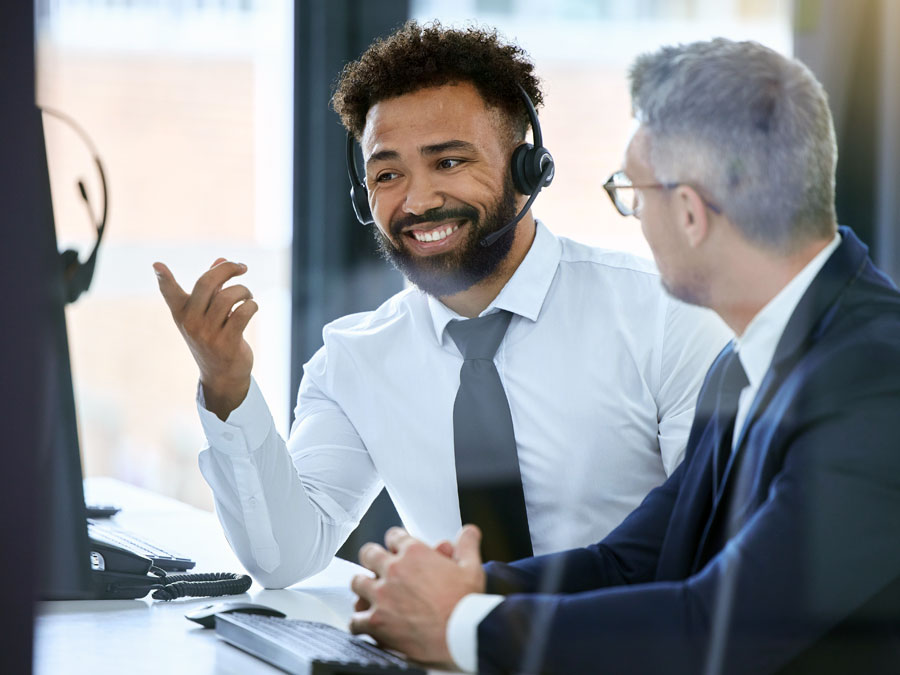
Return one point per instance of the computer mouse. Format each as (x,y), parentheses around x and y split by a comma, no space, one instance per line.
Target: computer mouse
(205,616)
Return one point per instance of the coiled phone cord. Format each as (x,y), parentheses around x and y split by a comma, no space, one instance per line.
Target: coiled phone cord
(211,585)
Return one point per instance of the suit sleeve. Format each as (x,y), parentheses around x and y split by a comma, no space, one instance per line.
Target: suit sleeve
(627,555)
(822,544)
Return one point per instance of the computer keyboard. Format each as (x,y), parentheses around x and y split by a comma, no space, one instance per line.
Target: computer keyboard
(307,647)
(113,535)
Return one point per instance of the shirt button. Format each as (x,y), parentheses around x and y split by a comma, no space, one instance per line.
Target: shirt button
(252,501)
(228,436)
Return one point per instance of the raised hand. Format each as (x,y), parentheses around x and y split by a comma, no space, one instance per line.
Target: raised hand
(408,603)
(213,328)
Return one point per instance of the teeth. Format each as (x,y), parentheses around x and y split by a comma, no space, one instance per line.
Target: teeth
(435,235)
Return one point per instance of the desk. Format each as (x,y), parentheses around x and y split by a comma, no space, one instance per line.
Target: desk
(96,637)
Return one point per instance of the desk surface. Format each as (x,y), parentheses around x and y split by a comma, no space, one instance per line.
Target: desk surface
(147,636)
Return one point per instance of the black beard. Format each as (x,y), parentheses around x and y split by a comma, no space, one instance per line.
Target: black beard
(469,263)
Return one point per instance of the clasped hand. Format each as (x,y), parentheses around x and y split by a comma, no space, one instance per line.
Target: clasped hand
(407,604)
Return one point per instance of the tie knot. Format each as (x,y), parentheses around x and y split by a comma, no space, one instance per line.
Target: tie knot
(479,338)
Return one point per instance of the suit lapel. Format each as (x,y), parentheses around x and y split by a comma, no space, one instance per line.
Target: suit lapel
(810,318)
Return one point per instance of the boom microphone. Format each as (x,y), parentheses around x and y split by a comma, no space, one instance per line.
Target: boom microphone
(492,238)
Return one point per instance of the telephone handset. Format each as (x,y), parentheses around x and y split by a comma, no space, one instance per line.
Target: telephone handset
(119,574)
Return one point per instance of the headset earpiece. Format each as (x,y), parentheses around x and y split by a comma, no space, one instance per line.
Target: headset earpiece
(529,161)
(527,165)
(359,194)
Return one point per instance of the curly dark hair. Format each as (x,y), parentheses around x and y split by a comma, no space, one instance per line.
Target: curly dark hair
(416,57)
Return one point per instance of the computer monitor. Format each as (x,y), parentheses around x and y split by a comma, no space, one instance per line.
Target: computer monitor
(63,569)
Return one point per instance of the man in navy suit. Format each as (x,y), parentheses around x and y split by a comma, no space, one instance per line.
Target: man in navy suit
(776,545)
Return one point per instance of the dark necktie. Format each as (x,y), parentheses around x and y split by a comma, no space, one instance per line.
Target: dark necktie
(487,462)
(734,379)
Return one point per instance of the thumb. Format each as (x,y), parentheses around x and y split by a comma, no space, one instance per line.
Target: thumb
(468,546)
(172,293)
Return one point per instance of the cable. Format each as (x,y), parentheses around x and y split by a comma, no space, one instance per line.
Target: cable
(211,585)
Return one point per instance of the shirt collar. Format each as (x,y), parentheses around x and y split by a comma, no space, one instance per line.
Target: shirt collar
(525,291)
(757,345)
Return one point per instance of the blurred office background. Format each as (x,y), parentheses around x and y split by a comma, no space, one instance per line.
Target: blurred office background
(211,117)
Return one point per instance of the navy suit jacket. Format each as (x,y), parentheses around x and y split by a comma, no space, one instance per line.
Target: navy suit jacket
(791,564)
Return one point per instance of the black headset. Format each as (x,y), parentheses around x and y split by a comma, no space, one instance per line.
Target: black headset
(532,170)
(76,274)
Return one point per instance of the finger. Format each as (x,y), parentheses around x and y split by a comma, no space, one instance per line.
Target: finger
(468,546)
(395,537)
(361,605)
(224,300)
(210,282)
(240,316)
(172,293)
(361,622)
(218,261)
(364,586)
(445,548)
(373,557)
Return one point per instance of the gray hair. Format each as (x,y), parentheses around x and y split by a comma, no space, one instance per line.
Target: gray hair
(747,127)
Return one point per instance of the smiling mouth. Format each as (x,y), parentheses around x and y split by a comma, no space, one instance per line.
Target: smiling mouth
(436,234)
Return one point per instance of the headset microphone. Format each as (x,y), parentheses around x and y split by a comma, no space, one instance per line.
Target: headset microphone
(546,176)
(531,166)
(78,275)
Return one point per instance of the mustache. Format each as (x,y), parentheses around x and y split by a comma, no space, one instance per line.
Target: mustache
(433,216)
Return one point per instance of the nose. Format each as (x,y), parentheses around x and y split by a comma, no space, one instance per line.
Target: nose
(421,196)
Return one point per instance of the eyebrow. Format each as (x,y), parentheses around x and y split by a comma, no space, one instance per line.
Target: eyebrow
(426,150)
(438,148)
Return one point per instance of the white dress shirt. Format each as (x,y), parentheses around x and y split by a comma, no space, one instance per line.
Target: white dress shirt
(756,346)
(755,349)
(601,370)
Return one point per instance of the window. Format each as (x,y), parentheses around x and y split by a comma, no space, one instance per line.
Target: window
(582,50)
(189,106)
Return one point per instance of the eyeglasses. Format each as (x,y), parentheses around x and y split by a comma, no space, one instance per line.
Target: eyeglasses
(622,193)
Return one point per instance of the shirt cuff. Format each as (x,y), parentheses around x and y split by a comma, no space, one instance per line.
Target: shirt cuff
(246,427)
(462,629)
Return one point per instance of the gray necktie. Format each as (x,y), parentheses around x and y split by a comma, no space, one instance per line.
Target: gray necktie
(487,462)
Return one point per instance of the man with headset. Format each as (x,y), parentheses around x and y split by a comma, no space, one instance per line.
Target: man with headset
(532,385)
(773,547)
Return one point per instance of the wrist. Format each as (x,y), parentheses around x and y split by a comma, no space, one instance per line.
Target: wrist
(221,396)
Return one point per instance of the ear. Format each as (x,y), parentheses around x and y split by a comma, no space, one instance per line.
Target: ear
(693,216)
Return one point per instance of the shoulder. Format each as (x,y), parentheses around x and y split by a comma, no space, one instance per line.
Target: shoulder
(358,340)
(617,276)
(635,281)
(857,355)
(605,262)
(393,314)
